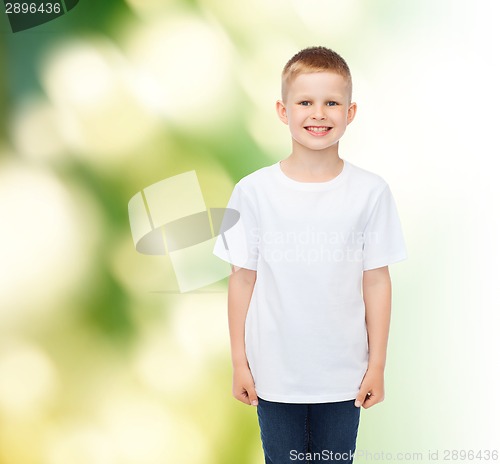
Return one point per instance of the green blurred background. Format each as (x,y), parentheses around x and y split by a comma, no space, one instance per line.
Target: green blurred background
(102,359)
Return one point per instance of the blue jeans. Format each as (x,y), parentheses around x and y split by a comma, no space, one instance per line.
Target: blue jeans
(308,433)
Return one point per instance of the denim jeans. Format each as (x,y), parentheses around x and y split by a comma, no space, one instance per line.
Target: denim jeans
(308,433)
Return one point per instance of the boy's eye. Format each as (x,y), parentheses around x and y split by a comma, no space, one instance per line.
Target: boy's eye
(332,103)
(304,103)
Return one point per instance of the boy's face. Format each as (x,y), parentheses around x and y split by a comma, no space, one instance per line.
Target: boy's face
(317,109)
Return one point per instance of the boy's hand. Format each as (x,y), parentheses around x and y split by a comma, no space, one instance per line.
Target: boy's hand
(244,386)
(371,391)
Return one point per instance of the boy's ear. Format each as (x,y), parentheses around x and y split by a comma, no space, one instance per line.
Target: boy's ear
(351,112)
(281,110)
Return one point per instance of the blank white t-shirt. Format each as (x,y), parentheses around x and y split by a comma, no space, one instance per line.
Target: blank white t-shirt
(305,331)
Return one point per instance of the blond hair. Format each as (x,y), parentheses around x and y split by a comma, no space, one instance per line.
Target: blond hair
(315,59)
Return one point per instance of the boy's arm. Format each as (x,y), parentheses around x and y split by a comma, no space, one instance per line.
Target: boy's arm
(240,289)
(377,297)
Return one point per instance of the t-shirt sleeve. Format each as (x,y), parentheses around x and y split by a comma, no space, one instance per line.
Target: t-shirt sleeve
(383,236)
(238,242)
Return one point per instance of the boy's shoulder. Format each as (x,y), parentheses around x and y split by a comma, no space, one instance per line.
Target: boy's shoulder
(255,178)
(365,178)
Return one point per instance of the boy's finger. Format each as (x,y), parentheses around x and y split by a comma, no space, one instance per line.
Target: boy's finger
(252,396)
(360,399)
(243,397)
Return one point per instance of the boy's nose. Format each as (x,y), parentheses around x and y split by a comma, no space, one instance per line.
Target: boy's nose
(318,113)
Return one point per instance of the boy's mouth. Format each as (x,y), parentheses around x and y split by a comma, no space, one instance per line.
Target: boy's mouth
(318,130)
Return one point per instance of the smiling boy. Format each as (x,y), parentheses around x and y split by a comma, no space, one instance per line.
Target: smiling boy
(309,299)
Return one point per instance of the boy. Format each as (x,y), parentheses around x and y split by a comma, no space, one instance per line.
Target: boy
(310,297)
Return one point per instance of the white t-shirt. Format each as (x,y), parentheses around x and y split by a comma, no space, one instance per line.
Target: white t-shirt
(305,331)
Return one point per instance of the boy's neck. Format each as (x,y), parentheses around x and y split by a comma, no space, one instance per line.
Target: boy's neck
(313,165)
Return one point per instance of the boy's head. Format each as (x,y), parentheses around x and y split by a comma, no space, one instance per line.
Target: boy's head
(316,99)
(314,59)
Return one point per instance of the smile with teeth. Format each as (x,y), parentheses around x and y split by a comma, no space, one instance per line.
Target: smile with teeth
(318,129)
